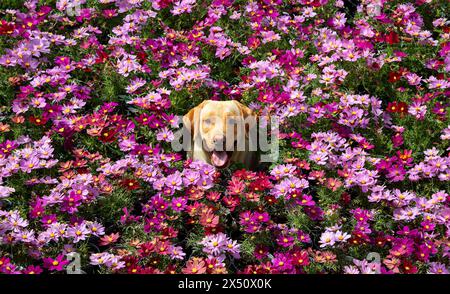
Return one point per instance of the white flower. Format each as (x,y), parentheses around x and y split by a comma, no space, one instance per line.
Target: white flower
(327,239)
(341,236)
(6,191)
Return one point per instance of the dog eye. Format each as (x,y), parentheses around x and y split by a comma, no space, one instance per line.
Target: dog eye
(207,121)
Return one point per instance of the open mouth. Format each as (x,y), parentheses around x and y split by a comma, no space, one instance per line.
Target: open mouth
(220,159)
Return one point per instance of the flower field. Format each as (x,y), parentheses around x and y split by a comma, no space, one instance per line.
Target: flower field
(92,93)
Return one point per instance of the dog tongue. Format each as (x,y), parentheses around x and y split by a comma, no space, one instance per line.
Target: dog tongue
(219,158)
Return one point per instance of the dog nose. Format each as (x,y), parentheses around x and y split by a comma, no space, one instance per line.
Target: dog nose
(219,139)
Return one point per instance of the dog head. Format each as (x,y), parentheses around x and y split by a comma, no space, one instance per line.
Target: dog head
(219,128)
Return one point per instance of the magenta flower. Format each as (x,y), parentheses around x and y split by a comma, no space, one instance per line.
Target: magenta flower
(282,262)
(179,204)
(56,264)
(32,270)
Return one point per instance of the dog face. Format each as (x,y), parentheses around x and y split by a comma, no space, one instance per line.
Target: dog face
(217,127)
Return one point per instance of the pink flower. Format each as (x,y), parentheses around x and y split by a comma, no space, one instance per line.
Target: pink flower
(56,264)
(109,239)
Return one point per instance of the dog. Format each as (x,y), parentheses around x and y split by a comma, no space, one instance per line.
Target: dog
(220,133)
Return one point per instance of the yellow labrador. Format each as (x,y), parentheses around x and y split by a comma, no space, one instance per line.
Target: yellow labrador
(220,133)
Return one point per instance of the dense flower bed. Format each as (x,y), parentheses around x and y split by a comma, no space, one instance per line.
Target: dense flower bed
(90,96)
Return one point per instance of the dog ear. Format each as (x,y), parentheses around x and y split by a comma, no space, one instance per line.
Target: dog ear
(190,119)
(248,115)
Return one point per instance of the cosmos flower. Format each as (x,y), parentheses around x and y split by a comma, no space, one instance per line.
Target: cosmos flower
(56,264)
(195,266)
(341,236)
(108,239)
(6,191)
(78,232)
(327,239)
(437,268)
